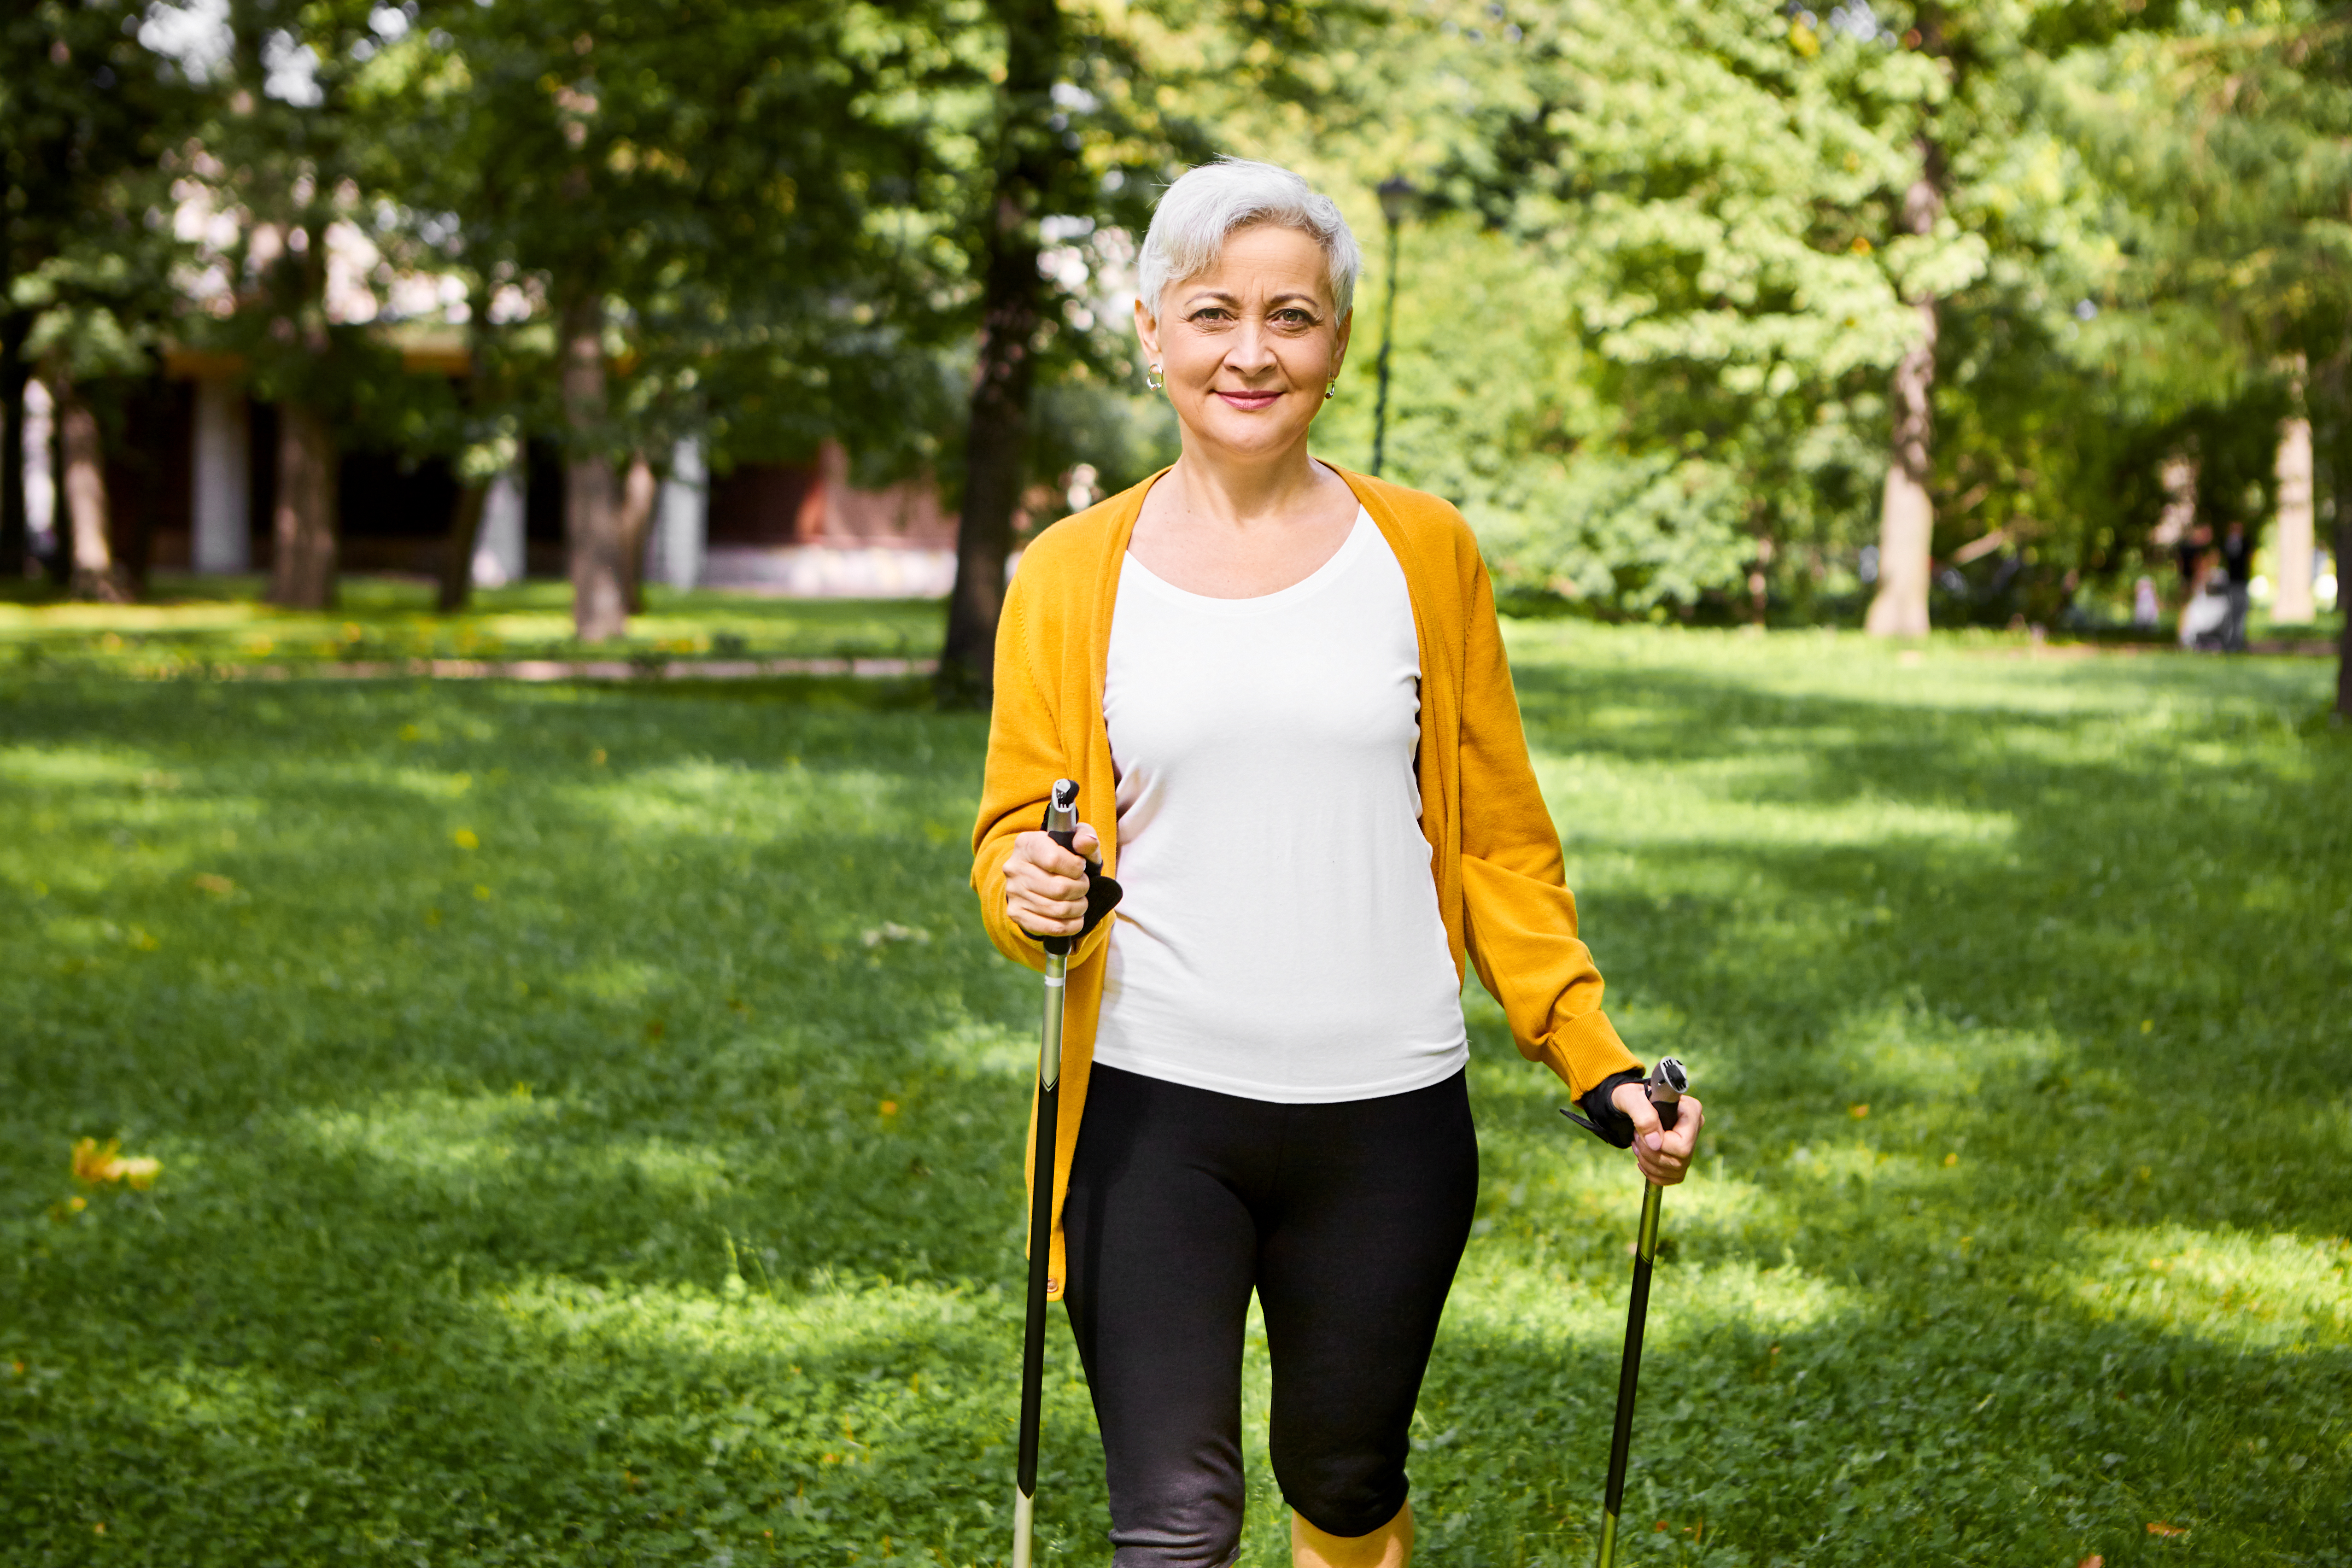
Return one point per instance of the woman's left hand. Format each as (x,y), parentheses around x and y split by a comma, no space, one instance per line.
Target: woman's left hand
(1664,1156)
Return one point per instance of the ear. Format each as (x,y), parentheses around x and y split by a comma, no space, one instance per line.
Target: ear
(1147,332)
(1339,350)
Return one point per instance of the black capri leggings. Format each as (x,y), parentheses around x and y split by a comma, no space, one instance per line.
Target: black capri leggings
(1347,1219)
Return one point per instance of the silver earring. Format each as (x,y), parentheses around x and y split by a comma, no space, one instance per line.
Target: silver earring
(1154,381)
(1331,390)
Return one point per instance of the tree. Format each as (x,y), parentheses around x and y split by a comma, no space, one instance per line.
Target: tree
(2226,148)
(691,200)
(1089,107)
(1031,165)
(1656,308)
(276,155)
(85,116)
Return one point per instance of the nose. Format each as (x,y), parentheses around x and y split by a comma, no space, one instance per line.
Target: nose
(1251,354)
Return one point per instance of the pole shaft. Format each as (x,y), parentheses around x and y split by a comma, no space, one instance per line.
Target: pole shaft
(1061,826)
(1041,1251)
(1629,1373)
(1041,1259)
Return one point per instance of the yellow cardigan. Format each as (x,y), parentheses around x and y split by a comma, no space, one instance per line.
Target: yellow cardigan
(1493,851)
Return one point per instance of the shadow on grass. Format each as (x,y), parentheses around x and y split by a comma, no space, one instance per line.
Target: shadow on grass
(636,1185)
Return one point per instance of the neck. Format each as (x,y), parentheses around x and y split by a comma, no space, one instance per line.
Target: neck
(1241,493)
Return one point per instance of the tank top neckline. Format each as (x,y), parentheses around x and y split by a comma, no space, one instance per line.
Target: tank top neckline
(1314,582)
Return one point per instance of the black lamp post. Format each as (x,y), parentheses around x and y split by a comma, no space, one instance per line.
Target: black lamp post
(1396,198)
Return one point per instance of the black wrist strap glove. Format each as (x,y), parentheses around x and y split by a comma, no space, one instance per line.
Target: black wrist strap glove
(1602,1118)
(1102,896)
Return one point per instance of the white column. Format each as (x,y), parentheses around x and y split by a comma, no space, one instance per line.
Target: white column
(224,471)
(497,549)
(682,518)
(40,470)
(2291,548)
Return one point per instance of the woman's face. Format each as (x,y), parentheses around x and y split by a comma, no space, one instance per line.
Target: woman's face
(1249,346)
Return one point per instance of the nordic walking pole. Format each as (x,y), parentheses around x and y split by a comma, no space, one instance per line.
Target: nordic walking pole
(1666,1086)
(1062,827)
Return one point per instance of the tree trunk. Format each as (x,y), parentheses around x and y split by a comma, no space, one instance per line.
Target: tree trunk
(2330,402)
(2343,606)
(16,521)
(303,522)
(592,511)
(457,557)
(58,565)
(95,573)
(638,488)
(996,443)
(2291,601)
(1906,517)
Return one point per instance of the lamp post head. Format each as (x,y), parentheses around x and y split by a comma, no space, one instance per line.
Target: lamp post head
(1397,195)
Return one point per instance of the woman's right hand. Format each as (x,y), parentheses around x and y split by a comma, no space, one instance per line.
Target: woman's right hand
(1045,885)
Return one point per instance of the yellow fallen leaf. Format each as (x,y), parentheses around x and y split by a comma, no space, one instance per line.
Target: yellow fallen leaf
(214,882)
(2159,1527)
(466,838)
(95,1165)
(1857,1111)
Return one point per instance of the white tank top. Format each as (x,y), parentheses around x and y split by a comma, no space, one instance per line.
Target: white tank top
(1280,938)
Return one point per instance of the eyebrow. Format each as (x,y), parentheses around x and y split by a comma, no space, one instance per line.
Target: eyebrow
(1220,296)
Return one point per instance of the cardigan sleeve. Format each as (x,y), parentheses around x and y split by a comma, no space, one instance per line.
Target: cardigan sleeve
(1519,916)
(1025,756)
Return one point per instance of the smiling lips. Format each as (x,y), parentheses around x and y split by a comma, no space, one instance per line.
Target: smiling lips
(1251,401)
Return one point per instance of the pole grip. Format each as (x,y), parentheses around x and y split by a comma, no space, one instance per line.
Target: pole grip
(1667,1083)
(1062,827)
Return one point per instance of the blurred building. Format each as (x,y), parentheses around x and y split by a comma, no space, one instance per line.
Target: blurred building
(191,480)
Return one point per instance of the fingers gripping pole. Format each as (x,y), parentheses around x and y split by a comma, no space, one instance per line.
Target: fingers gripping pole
(1666,1083)
(1061,826)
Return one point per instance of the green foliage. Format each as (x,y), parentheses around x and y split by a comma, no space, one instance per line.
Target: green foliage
(2221,153)
(1646,311)
(86,118)
(590,1124)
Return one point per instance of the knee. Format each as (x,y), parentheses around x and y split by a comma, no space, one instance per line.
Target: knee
(1343,1494)
(1205,1539)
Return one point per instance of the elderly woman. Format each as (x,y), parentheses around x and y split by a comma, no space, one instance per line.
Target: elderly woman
(1281,690)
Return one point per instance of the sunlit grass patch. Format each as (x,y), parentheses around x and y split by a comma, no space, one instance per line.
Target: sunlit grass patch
(198,628)
(2276,1291)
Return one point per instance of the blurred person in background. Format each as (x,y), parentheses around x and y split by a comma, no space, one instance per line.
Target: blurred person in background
(2192,554)
(2237,570)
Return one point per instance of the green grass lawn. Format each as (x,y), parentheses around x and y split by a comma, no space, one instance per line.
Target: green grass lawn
(590,1122)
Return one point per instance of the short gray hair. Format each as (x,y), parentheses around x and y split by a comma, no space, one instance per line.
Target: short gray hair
(1206,205)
